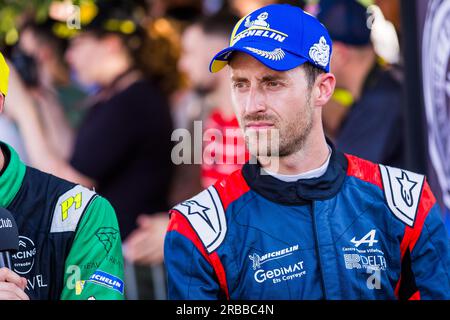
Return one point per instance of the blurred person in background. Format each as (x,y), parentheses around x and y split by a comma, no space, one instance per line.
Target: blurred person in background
(199,42)
(364,117)
(39,41)
(123,145)
(184,103)
(57,98)
(144,245)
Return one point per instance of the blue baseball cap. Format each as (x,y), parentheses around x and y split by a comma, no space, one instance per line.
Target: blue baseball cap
(281,37)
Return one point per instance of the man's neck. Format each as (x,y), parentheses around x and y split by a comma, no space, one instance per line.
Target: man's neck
(313,155)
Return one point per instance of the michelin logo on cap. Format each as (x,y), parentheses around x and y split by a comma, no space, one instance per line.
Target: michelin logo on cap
(260,22)
(257,28)
(280,36)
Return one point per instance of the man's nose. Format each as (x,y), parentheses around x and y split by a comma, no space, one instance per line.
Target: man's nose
(256,101)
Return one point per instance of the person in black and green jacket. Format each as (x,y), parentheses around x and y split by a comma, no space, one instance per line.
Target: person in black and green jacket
(69,243)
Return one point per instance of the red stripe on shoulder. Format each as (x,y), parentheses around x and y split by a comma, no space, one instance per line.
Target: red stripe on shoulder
(412,234)
(231,188)
(364,170)
(179,223)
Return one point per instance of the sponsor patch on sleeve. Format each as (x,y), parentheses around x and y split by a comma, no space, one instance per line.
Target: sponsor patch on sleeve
(101,278)
(69,209)
(207,217)
(402,190)
(107,280)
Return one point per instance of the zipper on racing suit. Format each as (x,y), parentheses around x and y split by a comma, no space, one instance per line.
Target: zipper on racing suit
(316,244)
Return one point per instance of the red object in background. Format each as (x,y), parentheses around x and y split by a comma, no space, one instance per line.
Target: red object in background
(224,150)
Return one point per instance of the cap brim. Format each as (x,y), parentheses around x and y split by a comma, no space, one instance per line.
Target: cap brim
(271,56)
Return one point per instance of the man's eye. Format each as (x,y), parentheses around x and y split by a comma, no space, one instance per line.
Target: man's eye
(273,84)
(239,85)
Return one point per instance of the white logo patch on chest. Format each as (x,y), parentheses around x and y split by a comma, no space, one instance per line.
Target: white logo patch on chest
(207,217)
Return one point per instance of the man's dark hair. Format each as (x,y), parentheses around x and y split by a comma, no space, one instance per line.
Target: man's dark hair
(219,24)
(312,72)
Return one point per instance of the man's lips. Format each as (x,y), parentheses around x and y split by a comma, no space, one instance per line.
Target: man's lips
(258,125)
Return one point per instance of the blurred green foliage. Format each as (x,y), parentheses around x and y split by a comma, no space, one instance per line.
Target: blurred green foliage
(12,10)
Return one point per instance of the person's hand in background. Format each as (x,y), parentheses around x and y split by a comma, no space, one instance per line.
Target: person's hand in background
(145,245)
(12,286)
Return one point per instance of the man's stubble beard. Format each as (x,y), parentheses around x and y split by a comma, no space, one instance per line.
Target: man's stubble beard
(288,139)
(291,143)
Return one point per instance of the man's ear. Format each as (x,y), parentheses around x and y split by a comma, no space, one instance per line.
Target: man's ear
(324,88)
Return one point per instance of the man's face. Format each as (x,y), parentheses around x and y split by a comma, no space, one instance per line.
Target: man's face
(28,43)
(266,100)
(86,56)
(197,51)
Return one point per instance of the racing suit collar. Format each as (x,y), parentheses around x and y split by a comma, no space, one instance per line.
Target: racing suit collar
(12,176)
(302,191)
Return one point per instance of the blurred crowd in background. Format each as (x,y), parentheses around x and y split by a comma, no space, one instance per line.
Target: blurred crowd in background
(96,93)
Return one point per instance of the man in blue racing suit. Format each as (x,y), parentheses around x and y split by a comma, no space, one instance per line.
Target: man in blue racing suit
(304,221)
